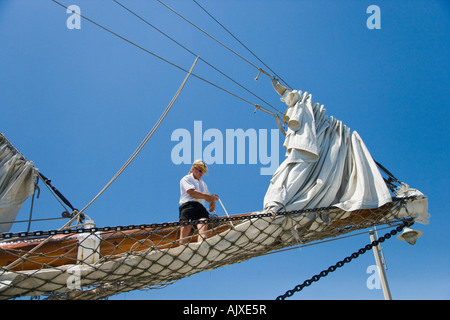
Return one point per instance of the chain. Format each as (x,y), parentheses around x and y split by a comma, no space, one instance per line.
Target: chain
(24,234)
(341,263)
(212,220)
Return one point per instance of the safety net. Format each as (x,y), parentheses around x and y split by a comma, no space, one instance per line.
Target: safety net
(95,263)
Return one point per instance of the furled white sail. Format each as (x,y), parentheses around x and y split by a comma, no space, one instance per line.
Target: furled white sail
(17,181)
(326,164)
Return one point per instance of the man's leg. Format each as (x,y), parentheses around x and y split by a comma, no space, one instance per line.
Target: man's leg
(202,230)
(184,233)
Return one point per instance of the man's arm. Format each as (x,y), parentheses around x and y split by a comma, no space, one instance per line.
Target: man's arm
(211,198)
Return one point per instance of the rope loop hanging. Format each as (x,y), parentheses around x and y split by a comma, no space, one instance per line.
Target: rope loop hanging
(146,139)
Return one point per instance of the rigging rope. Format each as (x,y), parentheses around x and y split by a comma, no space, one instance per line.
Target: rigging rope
(48,183)
(206,33)
(257,107)
(144,142)
(240,42)
(193,53)
(77,213)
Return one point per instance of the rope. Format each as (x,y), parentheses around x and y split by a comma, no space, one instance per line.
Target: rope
(220,201)
(206,33)
(144,142)
(194,54)
(165,60)
(391,178)
(56,192)
(32,204)
(78,213)
(240,42)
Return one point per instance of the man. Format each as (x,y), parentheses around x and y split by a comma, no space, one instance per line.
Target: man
(193,193)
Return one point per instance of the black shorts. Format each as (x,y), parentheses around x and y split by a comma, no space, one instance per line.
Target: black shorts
(193,210)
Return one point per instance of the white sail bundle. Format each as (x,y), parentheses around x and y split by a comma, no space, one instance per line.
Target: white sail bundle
(17,182)
(326,164)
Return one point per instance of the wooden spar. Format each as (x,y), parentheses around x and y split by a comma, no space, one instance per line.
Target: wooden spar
(63,249)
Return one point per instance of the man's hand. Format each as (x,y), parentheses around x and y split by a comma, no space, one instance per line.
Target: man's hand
(212,198)
(212,206)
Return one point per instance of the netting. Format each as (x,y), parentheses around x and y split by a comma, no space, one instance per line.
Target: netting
(96,263)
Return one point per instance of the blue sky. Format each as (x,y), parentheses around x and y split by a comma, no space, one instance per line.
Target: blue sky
(78,102)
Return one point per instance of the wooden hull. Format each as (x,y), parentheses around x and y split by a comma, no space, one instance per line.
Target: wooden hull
(63,249)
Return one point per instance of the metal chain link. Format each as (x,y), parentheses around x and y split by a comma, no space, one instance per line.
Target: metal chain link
(341,263)
(24,234)
(9,235)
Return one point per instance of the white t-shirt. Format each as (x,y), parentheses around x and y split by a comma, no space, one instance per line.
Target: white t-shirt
(189,182)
